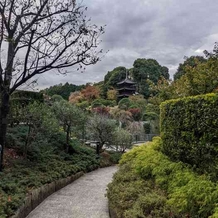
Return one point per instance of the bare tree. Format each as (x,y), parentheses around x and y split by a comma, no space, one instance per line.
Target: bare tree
(37,36)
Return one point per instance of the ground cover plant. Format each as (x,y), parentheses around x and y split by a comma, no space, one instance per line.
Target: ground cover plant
(149,184)
(46,161)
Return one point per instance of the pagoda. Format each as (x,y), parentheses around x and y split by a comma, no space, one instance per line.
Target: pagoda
(126,88)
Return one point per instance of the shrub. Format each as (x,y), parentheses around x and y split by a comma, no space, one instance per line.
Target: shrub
(103,102)
(101,110)
(108,158)
(16,136)
(115,157)
(189,131)
(46,162)
(124,103)
(147,128)
(83,105)
(148,184)
(125,190)
(136,113)
(122,139)
(133,106)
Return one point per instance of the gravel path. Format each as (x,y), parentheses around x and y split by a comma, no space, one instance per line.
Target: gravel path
(84,198)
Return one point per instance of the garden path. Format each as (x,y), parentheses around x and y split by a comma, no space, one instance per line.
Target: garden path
(84,198)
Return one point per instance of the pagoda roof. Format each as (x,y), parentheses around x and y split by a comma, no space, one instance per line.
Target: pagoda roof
(124,95)
(127,81)
(127,88)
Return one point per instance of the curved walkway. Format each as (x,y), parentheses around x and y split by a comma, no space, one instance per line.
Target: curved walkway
(84,198)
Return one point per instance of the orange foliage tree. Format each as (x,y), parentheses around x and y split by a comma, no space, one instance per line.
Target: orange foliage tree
(75,97)
(90,93)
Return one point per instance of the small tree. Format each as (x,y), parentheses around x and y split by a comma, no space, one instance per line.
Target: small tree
(122,140)
(124,117)
(56,98)
(101,110)
(90,93)
(76,97)
(136,129)
(147,128)
(112,94)
(153,120)
(136,113)
(101,128)
(38,118)
(68,116)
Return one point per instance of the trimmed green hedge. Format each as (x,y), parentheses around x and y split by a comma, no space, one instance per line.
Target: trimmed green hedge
(189,129)
(148,184)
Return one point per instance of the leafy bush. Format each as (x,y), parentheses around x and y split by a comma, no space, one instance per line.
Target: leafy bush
(101,110)
(133,106)
(136,113)
(148,184)
(108,158)
(122,139)
(46,162)
(124,103)
(115,156)
(103,102)
(83,105)
(147,128)
(16,136)
(189,131)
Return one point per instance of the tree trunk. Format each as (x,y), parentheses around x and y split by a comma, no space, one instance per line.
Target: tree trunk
(4,91)
(98,148)
(27,142)
(68,139)
(4,110)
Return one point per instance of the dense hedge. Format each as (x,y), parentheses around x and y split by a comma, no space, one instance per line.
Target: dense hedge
(189,129)
(148,184)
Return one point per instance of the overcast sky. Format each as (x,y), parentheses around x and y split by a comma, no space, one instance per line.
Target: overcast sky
(166,30)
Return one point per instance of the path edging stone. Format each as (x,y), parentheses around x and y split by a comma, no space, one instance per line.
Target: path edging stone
(112,212)
(38,195)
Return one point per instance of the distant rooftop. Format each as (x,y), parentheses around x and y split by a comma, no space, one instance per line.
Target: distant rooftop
(126,81)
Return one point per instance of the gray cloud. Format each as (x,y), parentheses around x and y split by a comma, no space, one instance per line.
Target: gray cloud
(166,30)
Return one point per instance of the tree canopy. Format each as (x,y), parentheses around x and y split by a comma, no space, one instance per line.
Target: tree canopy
(113,77)
(192,61)
(62,90)
(147,69)
(41,36)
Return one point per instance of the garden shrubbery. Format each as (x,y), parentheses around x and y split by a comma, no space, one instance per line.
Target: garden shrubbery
(46,161)
(149,184)
(189,131)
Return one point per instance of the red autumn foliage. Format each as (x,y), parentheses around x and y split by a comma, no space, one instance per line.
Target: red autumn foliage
(101,110)
(136,113)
